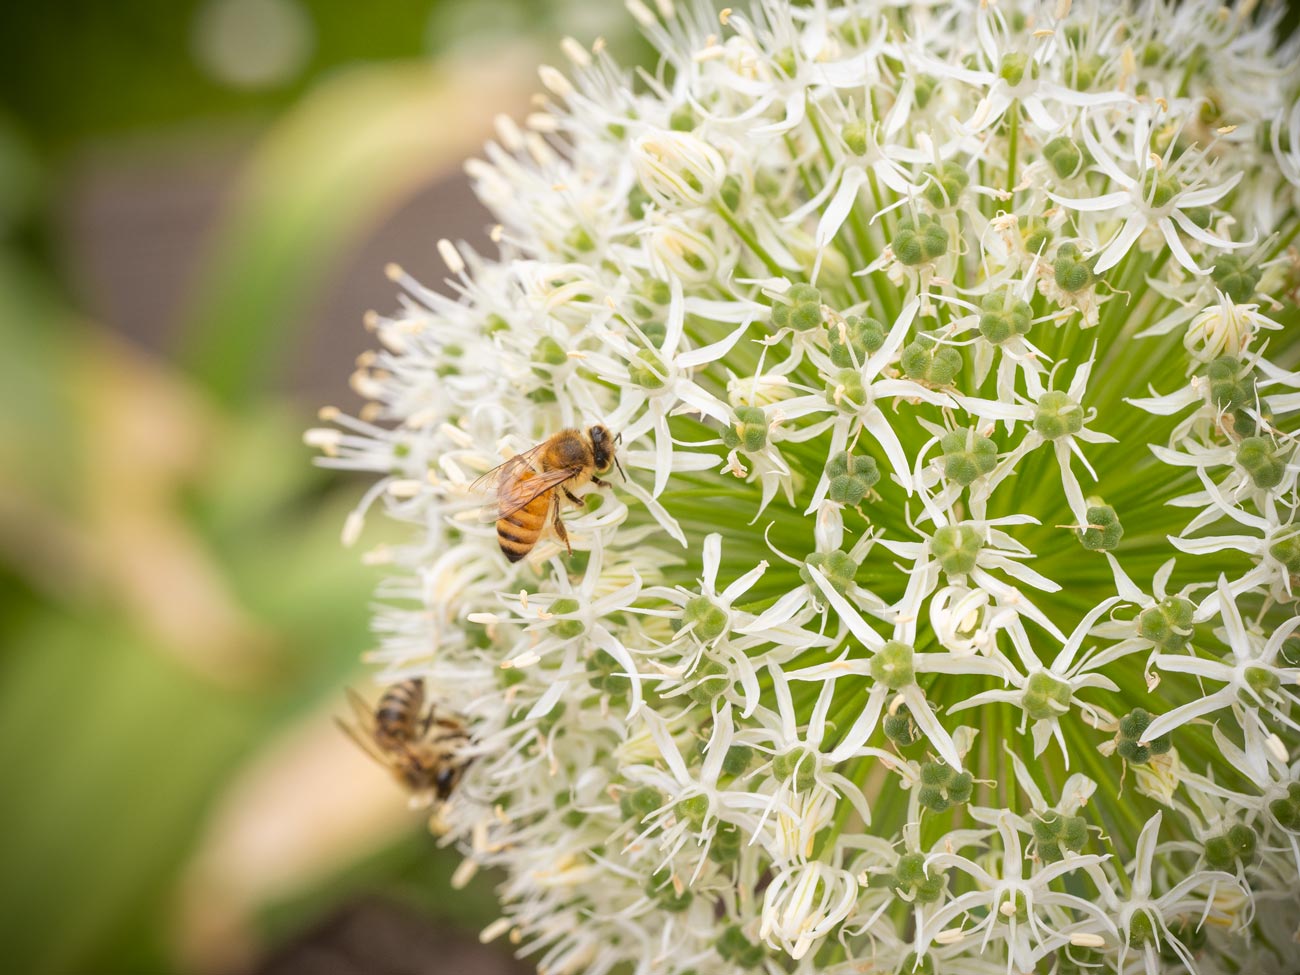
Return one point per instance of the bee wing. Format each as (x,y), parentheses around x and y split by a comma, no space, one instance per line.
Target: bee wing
(364,742)
(516,493)
(499,480)
(362,710)
(507,469)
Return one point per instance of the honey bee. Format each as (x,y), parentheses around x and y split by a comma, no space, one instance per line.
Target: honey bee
(529,485)
(421,749)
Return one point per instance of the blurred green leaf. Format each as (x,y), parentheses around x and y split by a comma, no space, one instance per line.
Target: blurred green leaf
(110,755)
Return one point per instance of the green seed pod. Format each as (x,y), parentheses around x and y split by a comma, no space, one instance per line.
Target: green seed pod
(1286,809)
(1160,188)
(1084,70)
(1167,624)
(549,353)
(737,760)
(655,291)
(710,680)
(901,729)
(1231,384)
(1263,461)
(925,86)
(735,947)
(838,568)
(920,240)
(1035,234)
(931,890)
(1004,316)
(1013,67)
(956,548)
(1236,278)
(845,390)
(910,870)
(967,456)
(854,339)
(1057,415)
(660,886)
(851,478)
(1142,931)
(1232,848)
(731,192)
(694,810)
(917,966)
(1262,682)
(748,432)
(578,239)
(639,803)
(725,848)
(1129,737)
(1064,155)
(944,185)
(892,666)
(1103,531)
(710,619)
(566,629)
(854,135)
(798,763)
(605,674)
(647,370)
(1045,696)
(1072,271)
(926,361)
(1286,549)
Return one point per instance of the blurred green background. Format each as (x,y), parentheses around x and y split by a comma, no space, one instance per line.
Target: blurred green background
(196,202)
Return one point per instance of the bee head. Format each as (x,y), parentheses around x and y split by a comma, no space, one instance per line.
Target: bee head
(602,448)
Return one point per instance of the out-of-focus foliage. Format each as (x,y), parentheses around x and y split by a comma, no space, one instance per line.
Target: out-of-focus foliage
(73,69)
(177,616)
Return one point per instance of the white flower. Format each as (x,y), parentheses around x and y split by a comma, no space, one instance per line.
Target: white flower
(1058,417)
(804,903)
(1158,196)
(1254,680)
(833,273)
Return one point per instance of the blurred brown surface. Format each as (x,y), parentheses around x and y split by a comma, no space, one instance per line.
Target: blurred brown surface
(373,937)
(137,222)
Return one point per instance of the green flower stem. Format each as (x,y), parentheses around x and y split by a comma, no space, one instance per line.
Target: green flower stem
(1013,144)
(750,240)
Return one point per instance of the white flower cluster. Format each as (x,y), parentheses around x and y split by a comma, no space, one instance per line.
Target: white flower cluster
(946,619)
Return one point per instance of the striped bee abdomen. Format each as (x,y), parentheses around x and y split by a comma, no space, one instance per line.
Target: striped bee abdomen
(398,712)
(518,531)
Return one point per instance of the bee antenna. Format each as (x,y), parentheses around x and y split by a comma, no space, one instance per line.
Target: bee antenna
(619,466)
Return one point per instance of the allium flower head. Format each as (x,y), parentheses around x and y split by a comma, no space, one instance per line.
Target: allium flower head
(946,618)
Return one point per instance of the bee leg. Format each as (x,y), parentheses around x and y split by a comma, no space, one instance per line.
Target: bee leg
(577,501)
(559,528)
(427,722)
(597,481)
